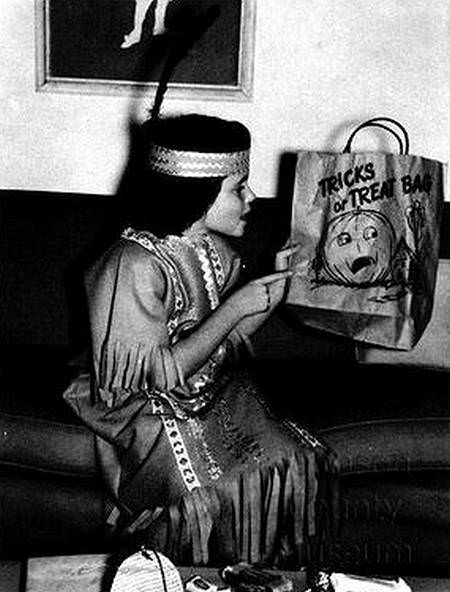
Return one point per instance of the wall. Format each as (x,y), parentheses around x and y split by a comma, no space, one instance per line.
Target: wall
(320,67)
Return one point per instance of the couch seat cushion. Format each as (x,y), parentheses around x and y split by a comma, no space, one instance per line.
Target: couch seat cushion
(391,445)
(45,445)
(37,429)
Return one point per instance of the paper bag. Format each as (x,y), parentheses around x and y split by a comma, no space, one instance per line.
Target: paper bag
(368,228)
(433,349)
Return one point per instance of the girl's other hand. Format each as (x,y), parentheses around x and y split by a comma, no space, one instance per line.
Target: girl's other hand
(282,257)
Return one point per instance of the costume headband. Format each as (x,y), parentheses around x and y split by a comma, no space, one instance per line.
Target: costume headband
(182,163)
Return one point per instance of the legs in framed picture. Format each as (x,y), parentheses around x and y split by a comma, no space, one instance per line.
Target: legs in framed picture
(141,8)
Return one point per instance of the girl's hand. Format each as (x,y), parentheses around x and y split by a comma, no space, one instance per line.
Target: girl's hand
(260,295)
(282,258)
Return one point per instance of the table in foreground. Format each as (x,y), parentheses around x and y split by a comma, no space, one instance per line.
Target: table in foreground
(10,575)
(92,573)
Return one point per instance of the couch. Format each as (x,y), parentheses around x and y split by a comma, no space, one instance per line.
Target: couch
(388,423)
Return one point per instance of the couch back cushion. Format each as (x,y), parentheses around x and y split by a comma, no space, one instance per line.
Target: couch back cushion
(45,239)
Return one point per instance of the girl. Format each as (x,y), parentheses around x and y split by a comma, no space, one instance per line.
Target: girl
(195,464)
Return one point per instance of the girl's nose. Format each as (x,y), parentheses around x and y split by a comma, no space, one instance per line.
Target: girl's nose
(249,195)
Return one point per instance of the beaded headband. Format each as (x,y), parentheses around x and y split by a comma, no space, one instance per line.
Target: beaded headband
(183,163)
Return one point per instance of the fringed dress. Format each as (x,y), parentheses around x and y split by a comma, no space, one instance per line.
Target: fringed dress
(197,467)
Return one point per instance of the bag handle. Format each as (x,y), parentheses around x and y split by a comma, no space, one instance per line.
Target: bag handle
(376,122)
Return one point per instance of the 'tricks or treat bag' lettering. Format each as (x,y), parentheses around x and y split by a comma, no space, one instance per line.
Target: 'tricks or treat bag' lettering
(361,191)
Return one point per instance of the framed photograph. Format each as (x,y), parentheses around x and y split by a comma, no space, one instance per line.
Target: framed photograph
(122,46)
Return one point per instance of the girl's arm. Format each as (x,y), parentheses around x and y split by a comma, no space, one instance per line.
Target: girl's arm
(250,324)
(252,300)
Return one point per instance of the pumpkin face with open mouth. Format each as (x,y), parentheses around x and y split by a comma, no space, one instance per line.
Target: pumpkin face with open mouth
(358,249)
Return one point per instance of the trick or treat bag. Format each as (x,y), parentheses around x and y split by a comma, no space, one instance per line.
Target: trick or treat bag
(368,228)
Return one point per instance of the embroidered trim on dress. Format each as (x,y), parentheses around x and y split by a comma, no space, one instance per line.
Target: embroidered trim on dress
(153,244)
(216,261)
(211,266)
(208,277)
(179,450)
(241,445)
(303,434)
(197,431)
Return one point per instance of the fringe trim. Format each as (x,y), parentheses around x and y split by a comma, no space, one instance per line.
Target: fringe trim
(267,515)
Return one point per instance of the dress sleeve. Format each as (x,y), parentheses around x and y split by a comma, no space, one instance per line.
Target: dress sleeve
(240,343)
(128,317)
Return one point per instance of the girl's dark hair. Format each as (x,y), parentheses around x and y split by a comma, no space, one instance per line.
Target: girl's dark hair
(166,204)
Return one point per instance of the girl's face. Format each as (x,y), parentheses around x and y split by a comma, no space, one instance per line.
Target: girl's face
(227,215)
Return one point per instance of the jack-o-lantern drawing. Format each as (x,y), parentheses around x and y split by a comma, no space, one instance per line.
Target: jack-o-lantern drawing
(357,250)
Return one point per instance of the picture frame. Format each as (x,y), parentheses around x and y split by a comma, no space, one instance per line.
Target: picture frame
(97,47)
